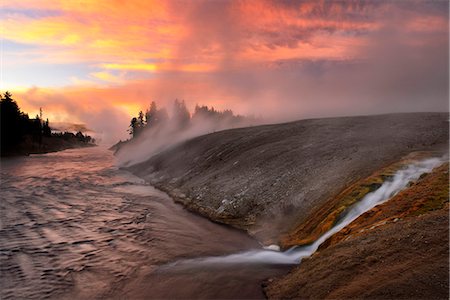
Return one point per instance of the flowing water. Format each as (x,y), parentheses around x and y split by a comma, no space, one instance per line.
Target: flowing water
(387,190)
(74,226)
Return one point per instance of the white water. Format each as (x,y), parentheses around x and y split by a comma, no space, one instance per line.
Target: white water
(294,255)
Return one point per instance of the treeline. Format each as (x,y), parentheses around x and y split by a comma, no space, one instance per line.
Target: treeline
(21,134)
(182,119)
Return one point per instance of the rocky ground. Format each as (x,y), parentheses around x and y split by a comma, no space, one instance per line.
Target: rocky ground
(324,217)
(289,183)
(268,179)
(397,250)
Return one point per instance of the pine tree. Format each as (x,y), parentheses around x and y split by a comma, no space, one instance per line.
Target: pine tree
(181,115)
(151,115)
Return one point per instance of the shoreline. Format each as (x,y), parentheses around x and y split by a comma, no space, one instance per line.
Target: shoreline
(370,229)
(49,147)
(209,172)
(264,179)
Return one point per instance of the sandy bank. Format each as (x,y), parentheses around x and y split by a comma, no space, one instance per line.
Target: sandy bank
(265,178)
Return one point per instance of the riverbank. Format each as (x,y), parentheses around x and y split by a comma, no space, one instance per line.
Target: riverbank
(264,179)
(399,249)
(73,226)
(47,144)
(289,183)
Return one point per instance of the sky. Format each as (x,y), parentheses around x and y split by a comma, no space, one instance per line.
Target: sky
(98,62)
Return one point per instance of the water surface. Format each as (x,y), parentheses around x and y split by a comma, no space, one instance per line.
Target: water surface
(72,225)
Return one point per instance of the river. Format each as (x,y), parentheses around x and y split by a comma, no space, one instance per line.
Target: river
(73,225)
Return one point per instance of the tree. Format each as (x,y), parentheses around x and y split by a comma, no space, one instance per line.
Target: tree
(151,115)
(20,134)
(13,122)
(137,125)
(46,130)
(141,119)
(80,136)
(181,115)
(133,127)
(36,130)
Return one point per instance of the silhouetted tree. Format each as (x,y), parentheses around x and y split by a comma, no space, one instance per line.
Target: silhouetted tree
(204,112)
(133,127)
(141,119)
(19,133)
(46,130)
(181,118)
(181,115)
(22,135)
(36,131)
(13,122)
(150,114)
(82,138)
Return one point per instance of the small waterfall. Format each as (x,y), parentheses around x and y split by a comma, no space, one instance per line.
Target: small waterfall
(294,255)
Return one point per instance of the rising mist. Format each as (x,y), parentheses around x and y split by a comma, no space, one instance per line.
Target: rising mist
(155,131)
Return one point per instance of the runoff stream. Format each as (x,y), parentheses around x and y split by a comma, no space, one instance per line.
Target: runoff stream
(72,225)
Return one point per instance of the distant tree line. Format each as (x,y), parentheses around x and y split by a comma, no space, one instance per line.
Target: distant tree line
(17,126)
(182,119)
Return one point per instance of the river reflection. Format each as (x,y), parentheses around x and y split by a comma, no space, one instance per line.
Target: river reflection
(74,226)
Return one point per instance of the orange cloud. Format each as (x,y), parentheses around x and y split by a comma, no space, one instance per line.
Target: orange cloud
(109,33)
(224,53)
(94,31)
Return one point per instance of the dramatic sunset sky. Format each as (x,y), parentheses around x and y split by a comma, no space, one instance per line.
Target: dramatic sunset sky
(99,62)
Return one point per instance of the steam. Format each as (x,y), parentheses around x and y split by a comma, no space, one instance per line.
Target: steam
(154,140)
(294,255)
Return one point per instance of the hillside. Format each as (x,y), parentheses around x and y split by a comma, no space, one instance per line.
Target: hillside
(266,178)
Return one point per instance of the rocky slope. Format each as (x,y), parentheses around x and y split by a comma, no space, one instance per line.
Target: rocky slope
(264,179)
(397,250)
(322,218)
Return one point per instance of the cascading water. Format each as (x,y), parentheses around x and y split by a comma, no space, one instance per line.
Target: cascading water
(294,255)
